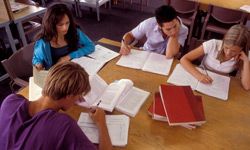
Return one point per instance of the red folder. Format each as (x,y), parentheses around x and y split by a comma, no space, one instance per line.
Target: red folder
(181,105)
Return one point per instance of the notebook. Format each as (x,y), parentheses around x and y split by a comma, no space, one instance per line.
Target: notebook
(117,125)
(219,87)
(181,106)
(147,61)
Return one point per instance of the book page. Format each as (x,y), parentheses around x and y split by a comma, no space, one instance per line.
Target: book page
(245,8)
(135,59)
(39,76)
(34,90)
(219,87)
(98,86)
(110,96)
(90,65)
(132,101)
(158,63)
(181,77)
(117,125)
(103,54)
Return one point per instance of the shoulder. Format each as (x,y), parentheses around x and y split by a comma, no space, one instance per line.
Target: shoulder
(150,22)
(12,102)
(212,45)
(183,28)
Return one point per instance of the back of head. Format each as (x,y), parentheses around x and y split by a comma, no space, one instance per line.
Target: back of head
(66,79)
(164,14)
(238,35)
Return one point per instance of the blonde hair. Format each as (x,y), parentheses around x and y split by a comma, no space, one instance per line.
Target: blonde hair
(237,35)
(66,79)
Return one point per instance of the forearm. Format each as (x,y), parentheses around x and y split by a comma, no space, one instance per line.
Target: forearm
(187,65)
(104,139)
(128,38)
(172,47)
(245,75)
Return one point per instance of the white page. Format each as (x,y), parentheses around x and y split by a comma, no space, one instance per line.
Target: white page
(135,59)
(90,65)
(103,54)
(132,101)
(245,8)
(158,63)
(34,90)
(181,77)
(118,126)
(98,86)
(219,87)
(40,76)
(111,96)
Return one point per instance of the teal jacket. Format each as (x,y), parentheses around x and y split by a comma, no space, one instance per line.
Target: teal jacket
(42,51)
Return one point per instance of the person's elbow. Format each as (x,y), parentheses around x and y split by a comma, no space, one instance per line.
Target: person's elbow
(246,87)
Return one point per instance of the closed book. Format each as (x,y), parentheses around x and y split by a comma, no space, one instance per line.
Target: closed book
(156,109)
(181,105)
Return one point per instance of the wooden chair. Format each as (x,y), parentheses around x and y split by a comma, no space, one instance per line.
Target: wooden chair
(19,66)
(187,11)
(219,20)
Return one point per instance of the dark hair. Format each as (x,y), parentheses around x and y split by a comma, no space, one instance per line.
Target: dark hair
(164,14)
(52,17)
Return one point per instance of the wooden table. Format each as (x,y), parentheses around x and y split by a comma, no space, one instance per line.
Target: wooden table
(227,125)
(26,14)
(232,4)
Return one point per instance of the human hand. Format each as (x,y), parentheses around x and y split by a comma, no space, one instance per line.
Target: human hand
(39,67)
(205,79)
(242,56)
(98,116)
(64,59)
(125,48)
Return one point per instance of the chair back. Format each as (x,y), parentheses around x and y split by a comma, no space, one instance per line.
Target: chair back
(227,16)
(19,65)
(183,6)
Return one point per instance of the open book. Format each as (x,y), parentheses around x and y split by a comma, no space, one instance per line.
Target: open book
(117,125)
(120,94)
(219,87)
(147,61)
(35,91)
(96,60)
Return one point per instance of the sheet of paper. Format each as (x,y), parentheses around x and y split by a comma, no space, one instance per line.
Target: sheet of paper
(39,77)
(34,90)
(157,63)
(181,77)
(118,126)
(135,59)
(219,87)
(131,103)
(90,65)
(103,54)
(245,8)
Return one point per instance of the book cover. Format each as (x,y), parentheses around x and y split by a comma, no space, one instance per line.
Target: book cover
(181,106)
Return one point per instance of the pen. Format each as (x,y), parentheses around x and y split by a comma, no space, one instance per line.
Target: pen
(99,103)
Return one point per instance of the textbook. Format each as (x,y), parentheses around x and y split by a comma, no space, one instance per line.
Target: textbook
(121,95)
(181,106)
(147,61)
(103,54)
(156,109)
(91,66)
(219,87)
(117,125)
(96,60)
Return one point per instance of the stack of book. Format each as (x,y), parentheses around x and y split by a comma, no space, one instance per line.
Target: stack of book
(177,105)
